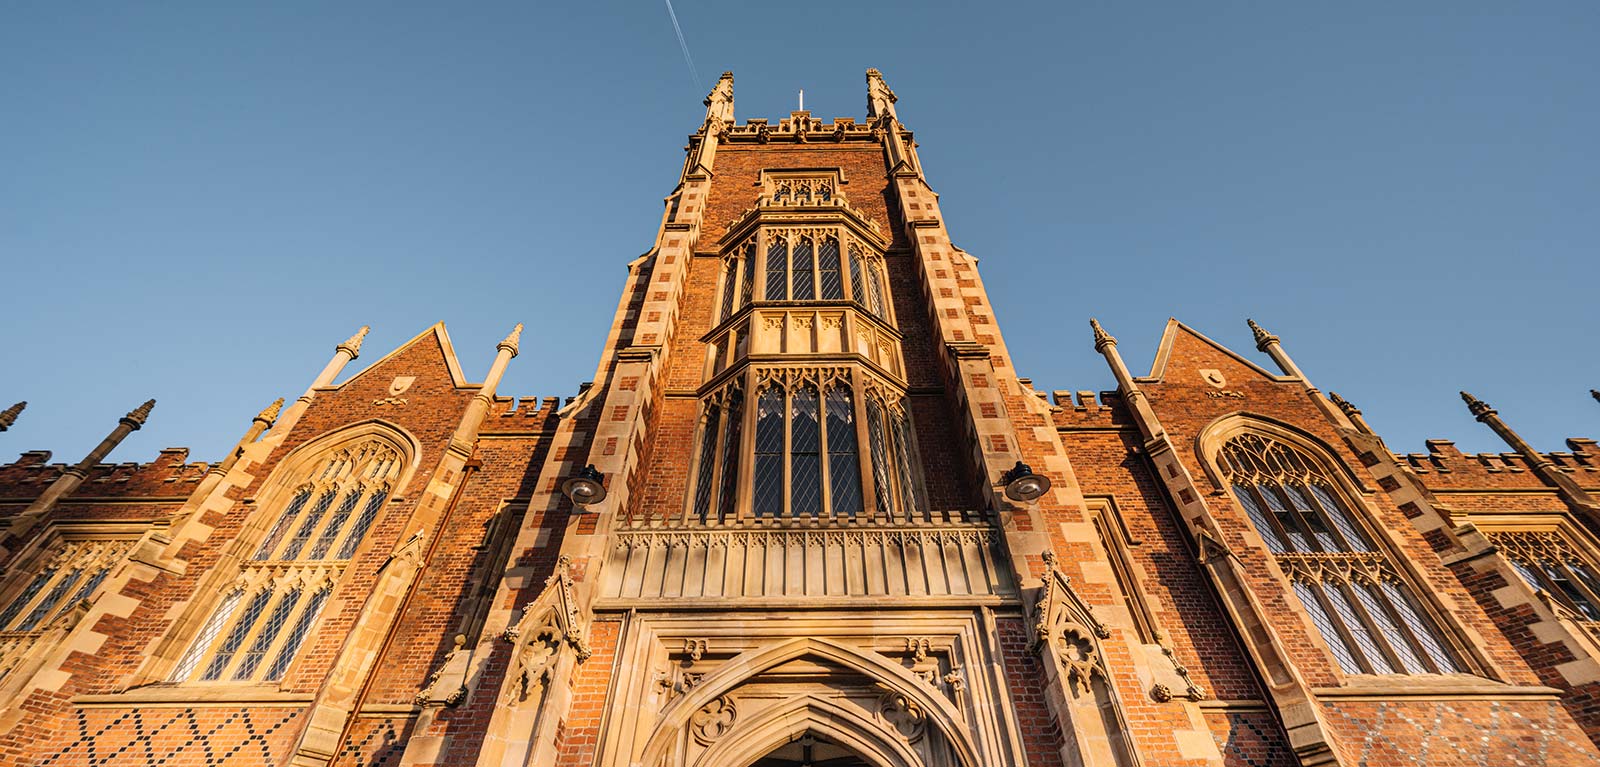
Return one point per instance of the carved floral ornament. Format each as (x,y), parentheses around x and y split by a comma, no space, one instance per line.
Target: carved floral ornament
(551,623)
(1067,625)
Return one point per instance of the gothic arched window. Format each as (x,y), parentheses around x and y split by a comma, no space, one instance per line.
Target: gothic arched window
(805,448)
(803,265)
(1364,609)
(265,616)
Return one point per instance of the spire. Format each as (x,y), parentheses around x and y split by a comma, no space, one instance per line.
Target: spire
(270,414)
(719,103)
(880,100)
(1344,405)
(1263,338)
(140,414)
(1592,392)
(1479,408)
(1102,339)
(510,343)
(353,343)
(9,415)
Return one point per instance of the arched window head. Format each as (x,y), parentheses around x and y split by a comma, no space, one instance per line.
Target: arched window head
(330,501)
(1364,609)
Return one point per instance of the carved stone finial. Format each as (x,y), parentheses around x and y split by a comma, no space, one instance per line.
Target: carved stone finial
(1343,404)
(719,102)
(1479,408)
(1102,339)
(1592,392)
(140,414)
(353,343)
(511,340)
(1263,338)
(9,415)
(880,99)
(1050,562)
(270,414)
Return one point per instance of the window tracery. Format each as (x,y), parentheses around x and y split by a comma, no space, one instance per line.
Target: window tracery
(1552,565)
(266,614)
(1365,611)
(806,431)
(802,264)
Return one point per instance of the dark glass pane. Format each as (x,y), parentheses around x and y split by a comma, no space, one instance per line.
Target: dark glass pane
(1258,517)
(747,281)
(777,271)
(269,632)
(1302,505)
(804,290)
(730,454)
(282,525)
(1324,623)
(1422,627)
(363,524)
(805,444)
(1392,634)
(729,285)
(875,287)
(1341,518)
(303,534)
(828,273)
(767,499)
(708,461)
(51,598)
(297,636)
(86,590)
(1358,630)
(844,471)
(27,595)
(241,629)
(1574,595)
(1286,518)
(858,289)
(335,526)
(910,491)
(882,486)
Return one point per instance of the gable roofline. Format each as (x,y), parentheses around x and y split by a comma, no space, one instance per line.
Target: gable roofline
(1169,335)
(437,329)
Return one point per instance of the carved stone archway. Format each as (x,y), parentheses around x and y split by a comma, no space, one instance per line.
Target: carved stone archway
(903,722)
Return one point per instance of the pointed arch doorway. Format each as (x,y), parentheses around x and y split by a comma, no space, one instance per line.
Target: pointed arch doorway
(809,750)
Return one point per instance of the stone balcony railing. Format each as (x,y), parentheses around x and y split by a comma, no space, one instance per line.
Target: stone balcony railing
(948,561)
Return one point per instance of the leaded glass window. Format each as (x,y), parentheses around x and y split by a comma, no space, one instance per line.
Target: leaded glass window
(1552,565)
(802,265)
(62,581)
(806,449)
(1364,609)
(255,631)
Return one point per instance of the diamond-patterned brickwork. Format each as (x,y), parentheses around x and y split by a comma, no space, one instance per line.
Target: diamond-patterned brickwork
(179,736)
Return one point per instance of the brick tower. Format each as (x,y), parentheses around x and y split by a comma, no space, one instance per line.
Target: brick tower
(806,513)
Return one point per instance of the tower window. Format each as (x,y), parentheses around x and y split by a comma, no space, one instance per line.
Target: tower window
(1361,605)
(1549,563)
(805,449)
(807,264)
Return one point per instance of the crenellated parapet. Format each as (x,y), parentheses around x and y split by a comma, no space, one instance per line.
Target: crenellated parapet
(1505,469)
(521,415)
(799,128)
(170,474)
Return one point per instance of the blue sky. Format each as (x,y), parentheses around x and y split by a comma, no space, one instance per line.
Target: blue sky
(198,201)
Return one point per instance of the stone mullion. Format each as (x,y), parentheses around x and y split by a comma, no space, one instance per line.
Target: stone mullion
(1418,647)
(1254,487)
(744,492)
(1348,586)
(869,495)
(788,448)
(1318,507)
(823,468)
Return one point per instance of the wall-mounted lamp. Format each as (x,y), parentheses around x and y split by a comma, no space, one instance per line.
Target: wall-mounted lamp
(586,487)
(1022,484)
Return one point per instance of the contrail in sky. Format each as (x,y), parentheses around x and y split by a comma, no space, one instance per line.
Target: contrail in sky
(687,59)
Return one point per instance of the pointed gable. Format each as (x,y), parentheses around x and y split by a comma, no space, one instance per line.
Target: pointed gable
(1185,351)
(428,354)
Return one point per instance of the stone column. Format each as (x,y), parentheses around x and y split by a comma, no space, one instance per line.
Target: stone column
(342,355)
